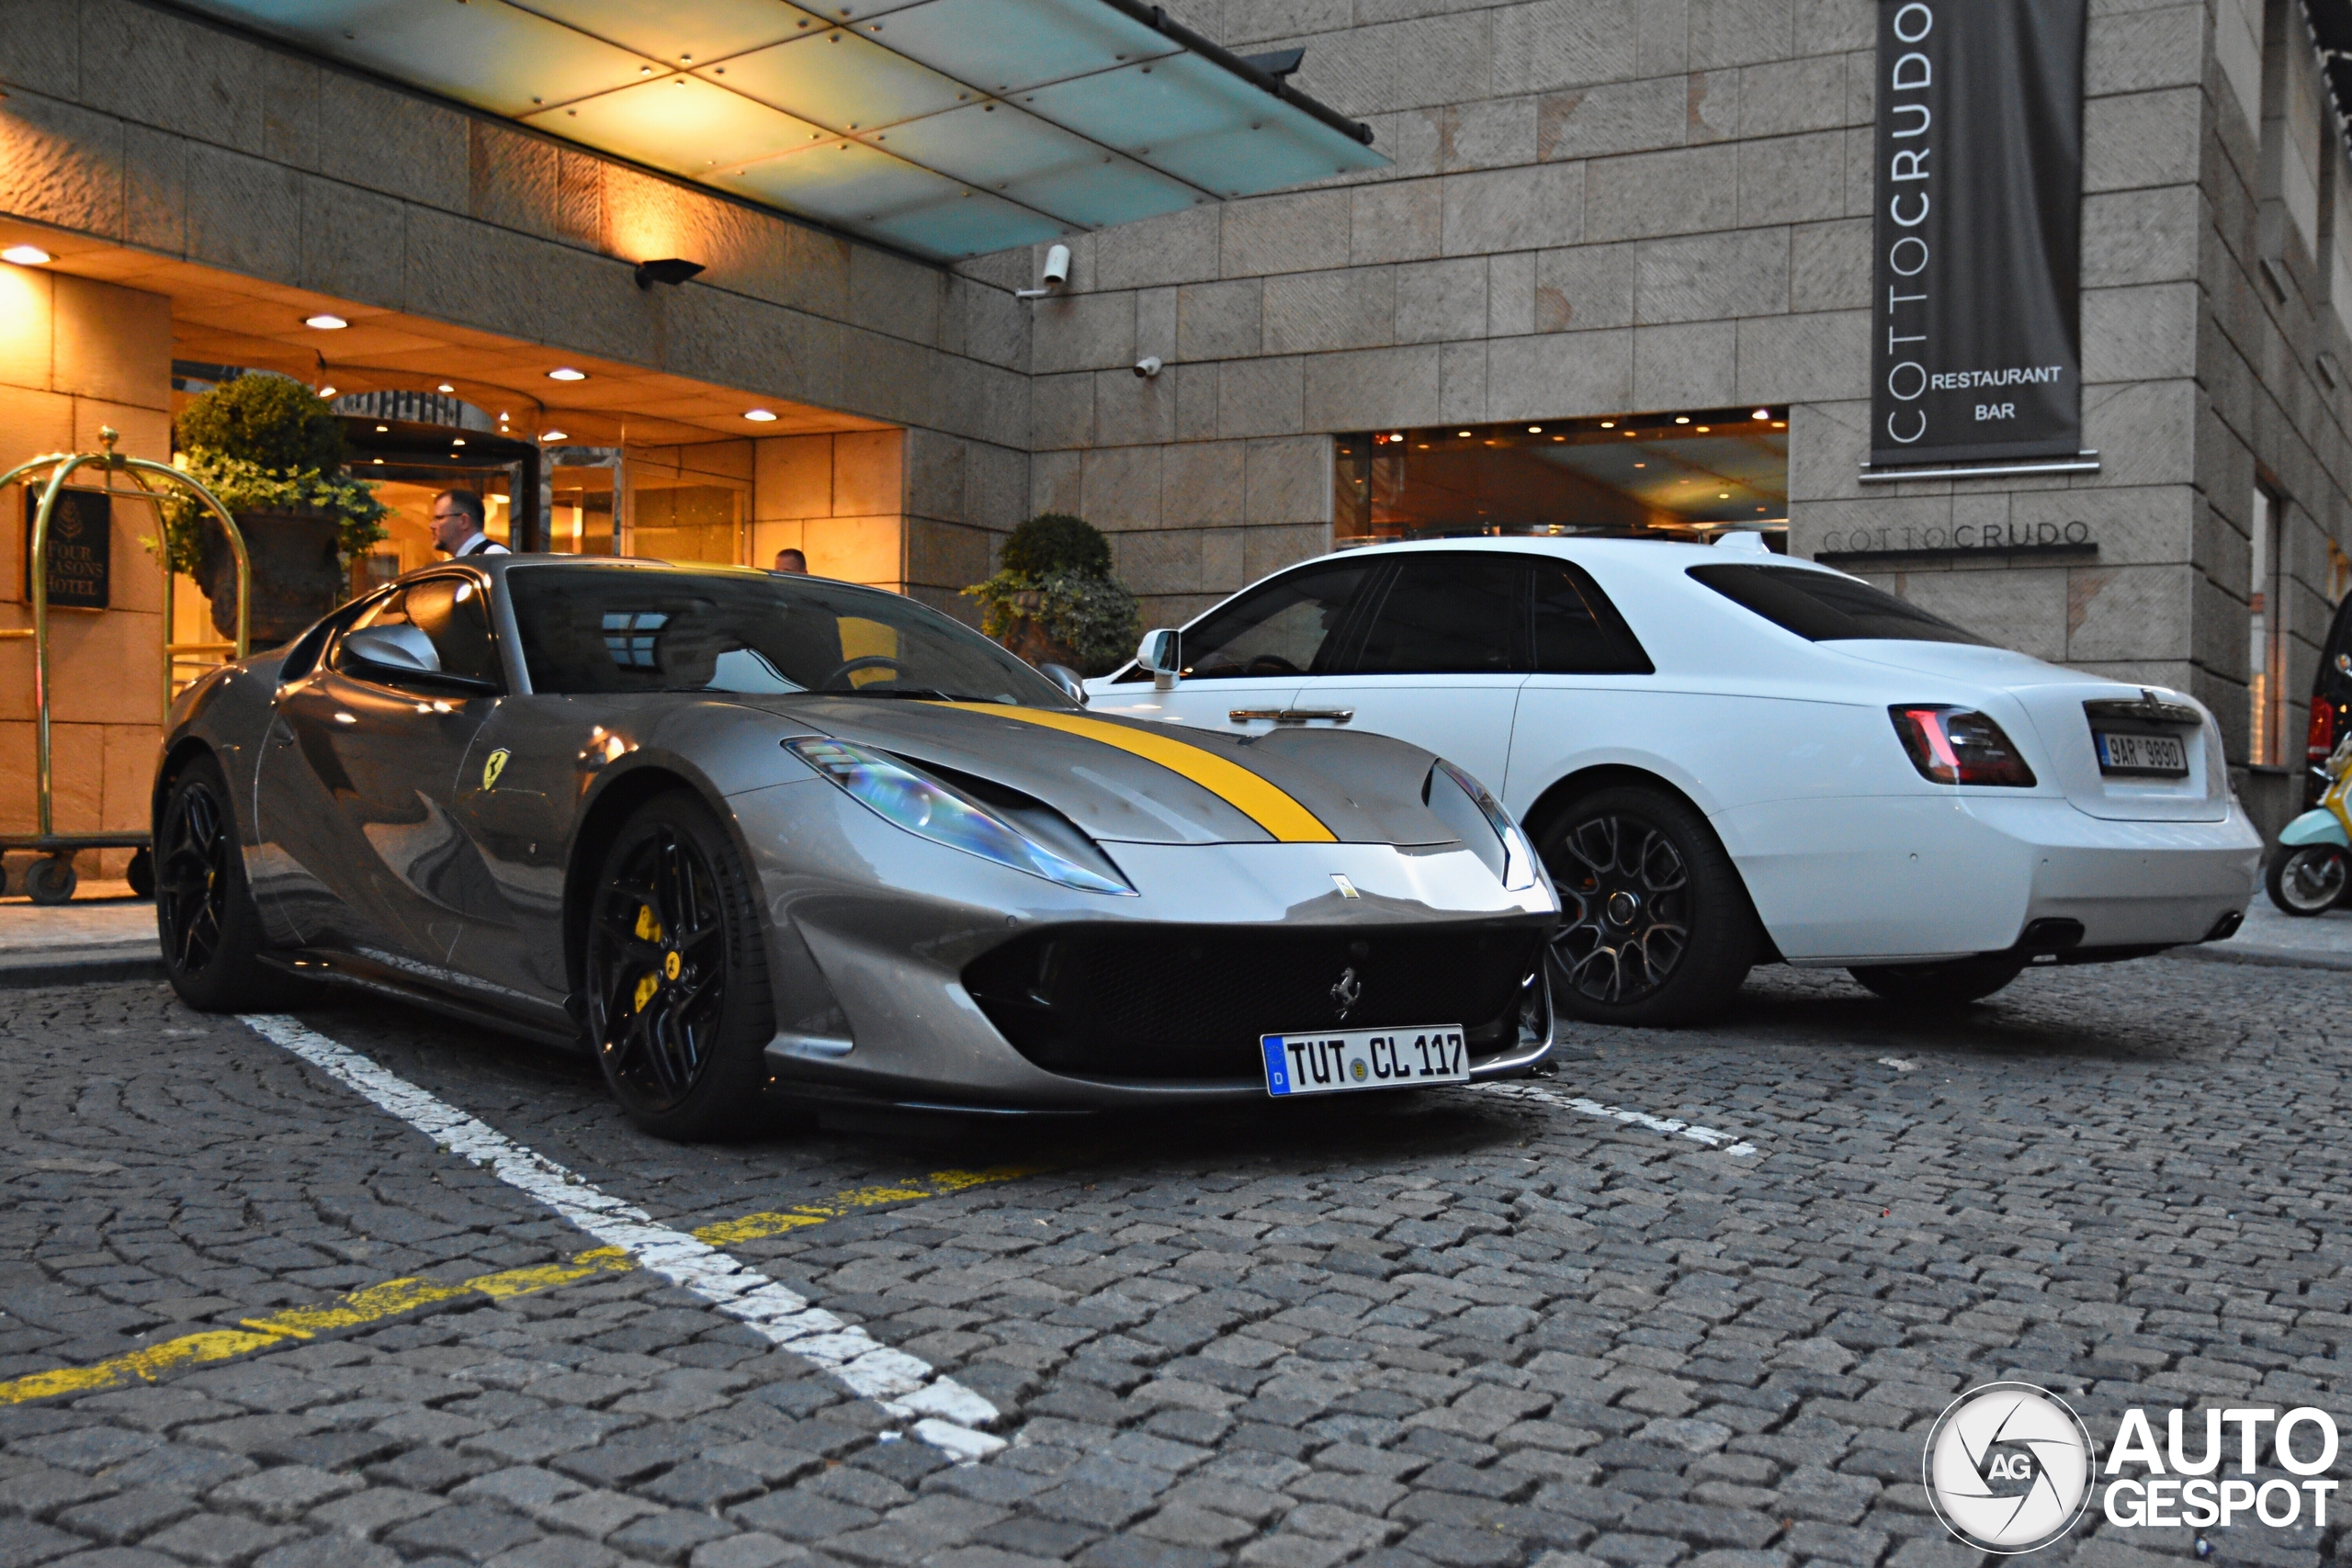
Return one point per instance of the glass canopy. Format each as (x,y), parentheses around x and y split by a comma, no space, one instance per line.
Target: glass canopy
(948,127)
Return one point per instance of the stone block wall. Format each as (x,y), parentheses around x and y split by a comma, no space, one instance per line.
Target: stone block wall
(76,356)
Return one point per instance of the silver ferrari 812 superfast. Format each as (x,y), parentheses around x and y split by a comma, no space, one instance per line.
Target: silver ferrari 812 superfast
(742,833)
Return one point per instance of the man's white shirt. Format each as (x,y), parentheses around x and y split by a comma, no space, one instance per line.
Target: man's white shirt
(480,544)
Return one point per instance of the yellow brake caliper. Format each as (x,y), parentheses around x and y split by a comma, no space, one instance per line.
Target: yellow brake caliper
(648,930)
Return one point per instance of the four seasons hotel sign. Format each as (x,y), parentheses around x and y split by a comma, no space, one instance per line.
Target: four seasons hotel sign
(1976,348)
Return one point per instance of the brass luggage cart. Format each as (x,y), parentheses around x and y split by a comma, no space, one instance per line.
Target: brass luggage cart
(52,879)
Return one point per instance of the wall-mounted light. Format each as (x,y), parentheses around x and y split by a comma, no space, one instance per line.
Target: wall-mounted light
(671,270)
(759,416)
(325,323)
(27,255)
(566,373)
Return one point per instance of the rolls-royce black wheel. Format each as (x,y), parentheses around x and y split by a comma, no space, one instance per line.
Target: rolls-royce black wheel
(1655,925)
(678,1006)
(2307,879)
(205,917)
(1954,982)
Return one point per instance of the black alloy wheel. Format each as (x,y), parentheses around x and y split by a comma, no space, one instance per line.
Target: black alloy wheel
(676,978)
(2307,879)
(1655,926)
(205,917)
(1953,982)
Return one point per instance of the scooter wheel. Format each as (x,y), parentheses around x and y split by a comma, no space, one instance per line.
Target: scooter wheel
(2307,879)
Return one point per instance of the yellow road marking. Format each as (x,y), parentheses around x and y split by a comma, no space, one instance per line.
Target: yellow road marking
(394,1298)
(1256,798)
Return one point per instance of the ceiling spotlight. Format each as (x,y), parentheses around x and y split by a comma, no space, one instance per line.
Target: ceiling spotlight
(566,373)
(27,255)
(1704,428)
(1779,425)
(1761,413)
(456,441)
(326,391)
(671,270)
(325,323)
(1608,424)
(1682,419)
(382,428)
(1534,430)
(1461,433)
(551,435)
(445,387)
(759,416)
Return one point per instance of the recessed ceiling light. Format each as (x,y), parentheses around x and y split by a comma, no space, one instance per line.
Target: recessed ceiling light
(1534,430)
(325,323)
(551,435)
(1461,433)
(1723,495)
(445,387)
(382,428)
(456,441)
(759,416)
(326,391)
(1682,419)
(1761,413)
(566,373)
(1641,465)
(26,256)
(1703,429)
(1608,424)
(379,462)
(1779,425)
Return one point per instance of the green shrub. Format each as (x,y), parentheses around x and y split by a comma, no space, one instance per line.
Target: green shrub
(1057,542)
(271,422)
(265,443)
(1056,574)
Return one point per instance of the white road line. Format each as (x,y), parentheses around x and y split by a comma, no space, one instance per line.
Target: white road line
(945,1414)
(1730,1142)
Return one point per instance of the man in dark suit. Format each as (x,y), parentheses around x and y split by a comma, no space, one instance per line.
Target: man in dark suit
(457,518)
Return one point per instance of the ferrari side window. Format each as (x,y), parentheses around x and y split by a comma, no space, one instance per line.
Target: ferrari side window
(455,612)
(1578,630)
(1288,627)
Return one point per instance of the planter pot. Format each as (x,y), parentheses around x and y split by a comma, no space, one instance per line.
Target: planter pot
(295,575)
(1028,637)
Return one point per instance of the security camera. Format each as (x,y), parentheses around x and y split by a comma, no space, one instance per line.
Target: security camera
(1056,274)
(1148,366)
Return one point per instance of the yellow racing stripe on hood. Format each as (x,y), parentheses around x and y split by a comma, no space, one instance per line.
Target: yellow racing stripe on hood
(1253,796)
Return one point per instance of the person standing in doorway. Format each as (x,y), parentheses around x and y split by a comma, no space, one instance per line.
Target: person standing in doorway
(457,518)
(791,561)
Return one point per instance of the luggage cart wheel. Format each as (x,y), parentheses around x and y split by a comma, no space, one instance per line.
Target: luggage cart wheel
(51,881)
(141,874)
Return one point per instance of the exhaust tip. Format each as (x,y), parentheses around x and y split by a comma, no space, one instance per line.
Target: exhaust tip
(2050,936)
(2226,927)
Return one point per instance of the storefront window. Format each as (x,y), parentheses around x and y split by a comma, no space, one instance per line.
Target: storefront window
(1694,475)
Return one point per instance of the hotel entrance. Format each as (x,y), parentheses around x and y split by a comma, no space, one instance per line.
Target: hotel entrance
(570,455)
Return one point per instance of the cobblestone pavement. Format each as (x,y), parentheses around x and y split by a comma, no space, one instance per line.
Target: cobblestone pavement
(1463,1328)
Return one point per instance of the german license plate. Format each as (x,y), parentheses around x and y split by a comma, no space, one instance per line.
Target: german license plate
(2124,753)
(1370,1058)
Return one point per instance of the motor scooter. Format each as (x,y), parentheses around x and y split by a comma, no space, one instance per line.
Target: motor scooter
(2309,870)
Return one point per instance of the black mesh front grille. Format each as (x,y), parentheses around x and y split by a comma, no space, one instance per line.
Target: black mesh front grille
(1188,1004)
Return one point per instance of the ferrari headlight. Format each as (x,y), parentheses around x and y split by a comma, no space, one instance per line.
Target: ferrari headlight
(923,806)
(1513,860)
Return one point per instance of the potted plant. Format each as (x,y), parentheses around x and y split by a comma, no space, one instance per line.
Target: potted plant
(272,450)
(1053,599)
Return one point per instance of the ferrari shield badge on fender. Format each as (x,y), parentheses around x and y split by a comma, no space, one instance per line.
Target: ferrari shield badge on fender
(493,768)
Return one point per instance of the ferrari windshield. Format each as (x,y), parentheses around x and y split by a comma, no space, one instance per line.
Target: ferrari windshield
(595,628)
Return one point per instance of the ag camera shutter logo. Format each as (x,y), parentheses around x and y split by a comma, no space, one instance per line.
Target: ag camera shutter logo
(2008,1468)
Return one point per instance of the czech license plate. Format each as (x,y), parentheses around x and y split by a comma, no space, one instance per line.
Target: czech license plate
(1370,1058)
(2123,753)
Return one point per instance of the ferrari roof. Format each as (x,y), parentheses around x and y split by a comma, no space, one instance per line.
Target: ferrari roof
(947,128)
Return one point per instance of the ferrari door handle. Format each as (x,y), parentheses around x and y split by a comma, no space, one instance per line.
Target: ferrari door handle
(1291,716)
